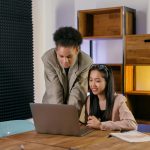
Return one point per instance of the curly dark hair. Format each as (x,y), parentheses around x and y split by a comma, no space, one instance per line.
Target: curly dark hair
(67,37)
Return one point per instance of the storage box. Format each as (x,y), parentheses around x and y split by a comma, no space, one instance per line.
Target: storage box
(106,22)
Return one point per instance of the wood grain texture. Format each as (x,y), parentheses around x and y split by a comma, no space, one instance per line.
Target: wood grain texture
(137,49)
(13,144)
(95,140)
(105,22)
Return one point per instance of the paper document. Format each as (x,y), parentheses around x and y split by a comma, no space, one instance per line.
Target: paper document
(132,136)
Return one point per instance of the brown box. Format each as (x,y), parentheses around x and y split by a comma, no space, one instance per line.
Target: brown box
(137,49)
(106,22)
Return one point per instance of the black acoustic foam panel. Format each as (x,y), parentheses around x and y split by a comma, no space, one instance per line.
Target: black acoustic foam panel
(16,59)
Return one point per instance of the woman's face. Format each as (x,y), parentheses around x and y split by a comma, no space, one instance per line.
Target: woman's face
(97,82)
(66,56)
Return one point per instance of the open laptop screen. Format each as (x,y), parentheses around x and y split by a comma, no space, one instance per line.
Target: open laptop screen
(55,119)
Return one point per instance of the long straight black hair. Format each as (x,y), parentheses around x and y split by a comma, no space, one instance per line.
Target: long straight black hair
(109,91)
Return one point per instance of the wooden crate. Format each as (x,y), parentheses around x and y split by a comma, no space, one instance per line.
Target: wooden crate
(137,49)
(106,22)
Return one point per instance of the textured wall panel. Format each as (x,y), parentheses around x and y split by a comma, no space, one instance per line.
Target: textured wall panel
(16,59)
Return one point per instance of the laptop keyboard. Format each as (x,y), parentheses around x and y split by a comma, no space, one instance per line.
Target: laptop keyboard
(85,130)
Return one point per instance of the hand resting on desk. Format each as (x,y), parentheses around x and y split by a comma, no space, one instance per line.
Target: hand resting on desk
(93,122)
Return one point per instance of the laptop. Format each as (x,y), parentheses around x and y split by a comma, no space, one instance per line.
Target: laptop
(57,119)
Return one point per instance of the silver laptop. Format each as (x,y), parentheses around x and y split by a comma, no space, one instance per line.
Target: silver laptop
(57,119)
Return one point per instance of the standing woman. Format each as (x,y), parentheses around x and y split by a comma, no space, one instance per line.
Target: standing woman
(66,69)
(105,109)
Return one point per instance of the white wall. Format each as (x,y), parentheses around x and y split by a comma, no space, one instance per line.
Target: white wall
(38,46)
(148,17)
(48,15)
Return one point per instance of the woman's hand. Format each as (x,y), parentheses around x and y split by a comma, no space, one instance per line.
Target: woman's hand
(93,122)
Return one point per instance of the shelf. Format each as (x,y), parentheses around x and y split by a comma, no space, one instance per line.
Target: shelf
(117,73)
(137,78)
(139,105)
(137,49)
(106,22)
(138,93)
(141,121)
(103,37)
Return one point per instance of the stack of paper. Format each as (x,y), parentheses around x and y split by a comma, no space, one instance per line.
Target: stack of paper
(132,136)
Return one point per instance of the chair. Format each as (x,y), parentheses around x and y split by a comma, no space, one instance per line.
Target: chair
(144,127)
(15,126)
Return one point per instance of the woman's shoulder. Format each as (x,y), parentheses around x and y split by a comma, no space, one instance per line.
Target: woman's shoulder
(48,54)
(84,59)
(120,98)
(49,57)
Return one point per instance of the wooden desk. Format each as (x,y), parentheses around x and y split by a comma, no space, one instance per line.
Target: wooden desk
(95,140)
(12,144)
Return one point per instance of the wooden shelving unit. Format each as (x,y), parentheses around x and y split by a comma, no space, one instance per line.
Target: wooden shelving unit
(119,22)
(137,72)
(117,73)
(108,23)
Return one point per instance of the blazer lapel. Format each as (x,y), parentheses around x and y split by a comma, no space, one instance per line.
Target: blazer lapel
(61,75)
(62,78)
(72,75)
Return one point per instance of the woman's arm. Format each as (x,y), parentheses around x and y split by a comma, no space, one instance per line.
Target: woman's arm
(54,90)
(125,119)
(78,93)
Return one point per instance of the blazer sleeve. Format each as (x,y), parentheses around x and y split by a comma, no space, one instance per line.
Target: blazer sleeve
(125,119)
(54,90)
(79,91)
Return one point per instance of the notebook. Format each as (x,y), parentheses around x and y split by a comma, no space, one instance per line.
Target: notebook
(57,119)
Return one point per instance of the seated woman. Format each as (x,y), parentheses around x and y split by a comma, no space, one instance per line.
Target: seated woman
(106,110)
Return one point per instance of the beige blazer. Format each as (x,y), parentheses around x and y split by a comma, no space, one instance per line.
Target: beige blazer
(122,118)
(60,88)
